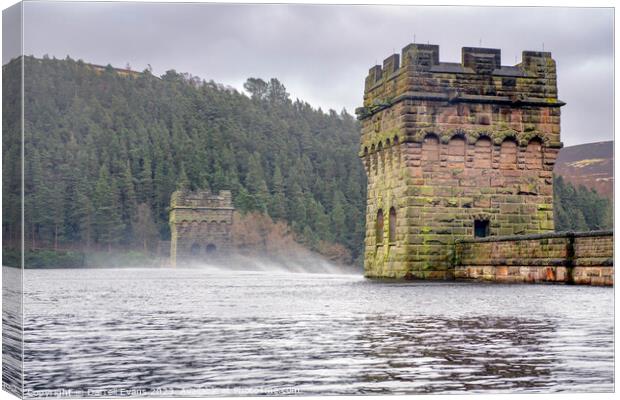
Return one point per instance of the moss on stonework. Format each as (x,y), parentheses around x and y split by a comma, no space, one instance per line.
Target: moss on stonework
(467,202)
(427,190)
(546,225)
(453,202)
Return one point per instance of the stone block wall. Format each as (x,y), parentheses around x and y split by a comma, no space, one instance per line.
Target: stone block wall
(593,259)
(473,141)
(200,225)
(581,258)
(387,189)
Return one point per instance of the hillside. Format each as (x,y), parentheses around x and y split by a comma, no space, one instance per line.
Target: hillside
(104,151)
(590,164)
(105,148)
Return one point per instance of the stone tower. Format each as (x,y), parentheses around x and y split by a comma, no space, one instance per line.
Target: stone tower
(200,225)
(455,150)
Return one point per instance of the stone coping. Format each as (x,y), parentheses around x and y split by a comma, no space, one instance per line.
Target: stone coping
(536,236)
(201,208)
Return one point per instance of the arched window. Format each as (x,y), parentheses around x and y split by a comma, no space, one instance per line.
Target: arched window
(194,226)
(184,226)
(482,158)
(508,154)
(379,226)
(195,249)
(373,159)
(430,148)
(380,157)
(392,238)
(534,154)
(397,150)
(456,152)
(214,226)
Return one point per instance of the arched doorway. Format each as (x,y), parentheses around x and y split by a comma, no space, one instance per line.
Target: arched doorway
(211,248)
(195,249)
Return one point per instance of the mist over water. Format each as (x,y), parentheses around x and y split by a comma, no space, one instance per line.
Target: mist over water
(308,264)
(212,331)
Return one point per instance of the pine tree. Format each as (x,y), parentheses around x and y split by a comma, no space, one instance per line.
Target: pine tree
(84,216)
(579,209)
(55,210)
(183,183)
(34,201)
(145,183)
(337,215)
(255,182)
(128,201)
(107,220)
(145,230)
(297,209)
(256,87)
(277,205)
(219,178)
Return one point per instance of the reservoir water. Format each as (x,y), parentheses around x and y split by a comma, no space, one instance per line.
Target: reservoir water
(102,332)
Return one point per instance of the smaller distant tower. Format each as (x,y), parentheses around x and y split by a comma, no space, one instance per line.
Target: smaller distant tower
(200,225)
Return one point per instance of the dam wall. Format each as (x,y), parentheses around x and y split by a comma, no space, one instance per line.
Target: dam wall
(568,257)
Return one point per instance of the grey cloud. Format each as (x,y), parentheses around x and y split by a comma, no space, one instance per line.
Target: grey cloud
(322,53)
(11,31)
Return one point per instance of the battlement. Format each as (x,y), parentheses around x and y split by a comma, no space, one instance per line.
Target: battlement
(201,199)
(417,73)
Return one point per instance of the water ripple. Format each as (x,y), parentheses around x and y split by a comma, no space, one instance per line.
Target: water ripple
(173,331)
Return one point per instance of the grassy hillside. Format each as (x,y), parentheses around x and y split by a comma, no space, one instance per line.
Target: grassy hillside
(590,165)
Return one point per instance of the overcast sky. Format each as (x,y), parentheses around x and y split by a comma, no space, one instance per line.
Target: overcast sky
(322,53)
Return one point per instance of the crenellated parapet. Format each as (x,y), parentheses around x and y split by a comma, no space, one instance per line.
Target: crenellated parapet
(479,77)
(477,96)
(201,199)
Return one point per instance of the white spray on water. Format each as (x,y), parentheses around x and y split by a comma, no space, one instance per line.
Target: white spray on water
(308,263)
